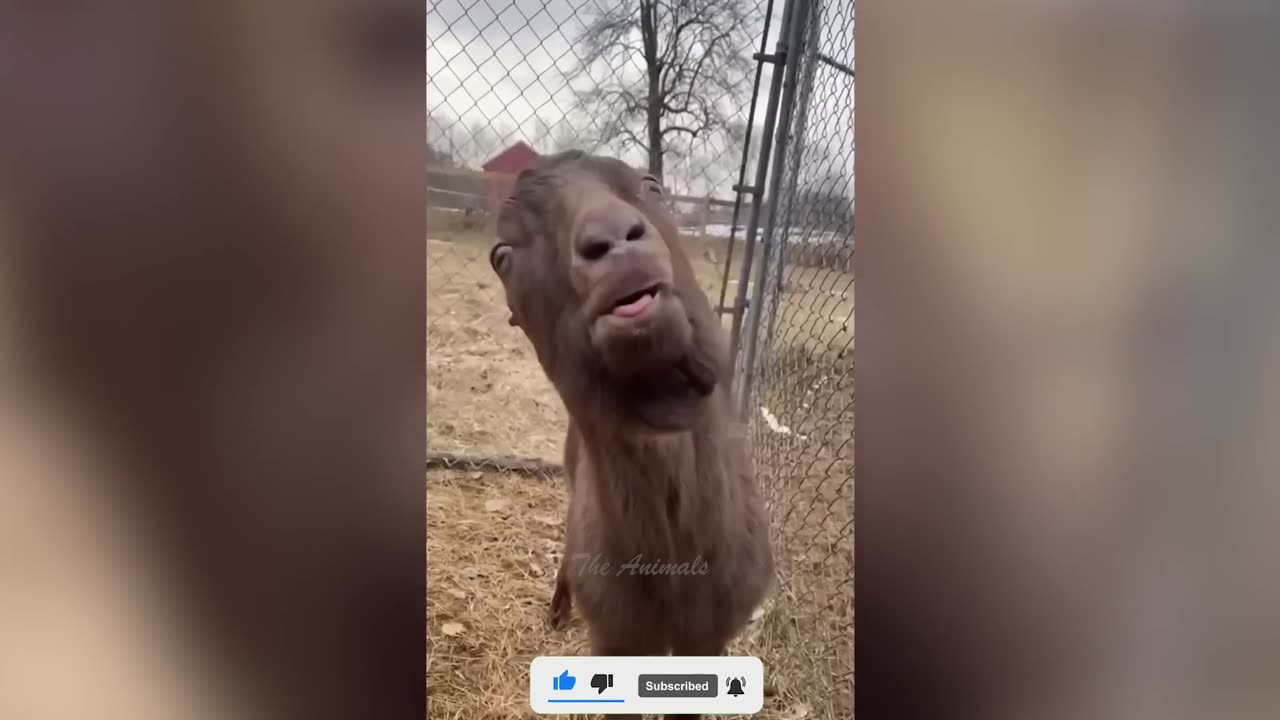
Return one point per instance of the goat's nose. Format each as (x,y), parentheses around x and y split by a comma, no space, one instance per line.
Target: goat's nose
(601,234)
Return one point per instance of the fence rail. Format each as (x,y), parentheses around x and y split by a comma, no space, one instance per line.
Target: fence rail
(500,463)
(473,192)
(482,176)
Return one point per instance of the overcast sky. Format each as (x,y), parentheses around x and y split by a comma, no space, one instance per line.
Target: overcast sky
(499,64)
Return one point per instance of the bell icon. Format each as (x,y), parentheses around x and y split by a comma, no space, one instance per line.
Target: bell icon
(735,686)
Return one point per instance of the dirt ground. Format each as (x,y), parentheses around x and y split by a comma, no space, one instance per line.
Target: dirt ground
(494,539)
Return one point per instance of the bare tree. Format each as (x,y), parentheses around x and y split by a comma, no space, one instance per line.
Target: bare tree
(692,74)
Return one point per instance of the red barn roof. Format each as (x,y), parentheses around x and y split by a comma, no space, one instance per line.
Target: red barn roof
(512,160)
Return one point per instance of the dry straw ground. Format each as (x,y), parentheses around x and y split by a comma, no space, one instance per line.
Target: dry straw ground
(494,539)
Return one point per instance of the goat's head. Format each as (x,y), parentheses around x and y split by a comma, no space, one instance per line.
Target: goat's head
(594,275)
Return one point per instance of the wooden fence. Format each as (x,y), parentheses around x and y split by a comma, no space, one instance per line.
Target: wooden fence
(471,197)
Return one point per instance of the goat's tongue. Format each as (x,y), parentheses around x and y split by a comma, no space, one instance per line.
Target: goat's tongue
(635,307)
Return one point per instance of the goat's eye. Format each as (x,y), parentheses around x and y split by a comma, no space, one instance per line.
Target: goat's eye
(652,185)
(500,257)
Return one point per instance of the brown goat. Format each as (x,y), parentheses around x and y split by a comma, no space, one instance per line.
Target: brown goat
(658,470)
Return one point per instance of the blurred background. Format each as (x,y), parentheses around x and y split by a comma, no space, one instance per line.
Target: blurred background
(1066,374)
(212,351)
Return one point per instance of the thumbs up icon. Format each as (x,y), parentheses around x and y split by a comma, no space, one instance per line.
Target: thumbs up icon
(564,681)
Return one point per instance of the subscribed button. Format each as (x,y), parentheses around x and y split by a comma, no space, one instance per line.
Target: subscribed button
(678,686)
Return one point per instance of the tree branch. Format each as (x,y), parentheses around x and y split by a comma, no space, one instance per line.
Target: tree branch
(691,132)
(690,70)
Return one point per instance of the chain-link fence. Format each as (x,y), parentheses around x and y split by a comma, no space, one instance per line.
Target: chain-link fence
(749,105)
(663,84)
(794,345)
(660,83)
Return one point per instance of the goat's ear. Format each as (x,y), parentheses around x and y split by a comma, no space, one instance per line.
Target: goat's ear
(650,182)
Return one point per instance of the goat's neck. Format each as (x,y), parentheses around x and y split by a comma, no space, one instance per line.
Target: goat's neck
(657,490)
(655,458)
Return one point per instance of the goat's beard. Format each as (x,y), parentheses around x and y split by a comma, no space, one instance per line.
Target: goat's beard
(671,399)
(663,384)
(659,381)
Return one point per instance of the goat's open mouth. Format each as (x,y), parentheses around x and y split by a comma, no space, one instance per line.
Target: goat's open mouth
(635,304)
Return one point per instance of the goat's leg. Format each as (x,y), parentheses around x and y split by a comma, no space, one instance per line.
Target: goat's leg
(696,647)
(561,599)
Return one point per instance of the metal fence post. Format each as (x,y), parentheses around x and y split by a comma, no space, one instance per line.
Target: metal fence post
(779,59)
(740,187)
(795,31)
(810,41)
